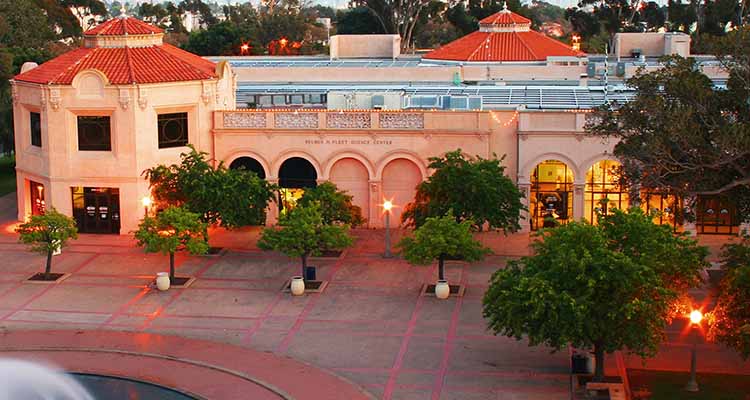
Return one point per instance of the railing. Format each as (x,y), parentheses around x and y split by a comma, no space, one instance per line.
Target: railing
(381,120)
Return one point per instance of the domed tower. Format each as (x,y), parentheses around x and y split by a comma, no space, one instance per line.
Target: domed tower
(89,122)
(502,37)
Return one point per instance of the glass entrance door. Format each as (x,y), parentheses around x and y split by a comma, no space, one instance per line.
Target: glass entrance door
(97,210)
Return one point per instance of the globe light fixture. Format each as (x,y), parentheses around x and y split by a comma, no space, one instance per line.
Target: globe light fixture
(146,201)
(696,317)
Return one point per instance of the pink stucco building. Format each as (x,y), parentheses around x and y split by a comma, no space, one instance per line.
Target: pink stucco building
(89,122)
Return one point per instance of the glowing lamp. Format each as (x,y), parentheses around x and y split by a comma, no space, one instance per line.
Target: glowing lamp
(696,317)
(387,205)
(244,47)
(283,42)
(146,201)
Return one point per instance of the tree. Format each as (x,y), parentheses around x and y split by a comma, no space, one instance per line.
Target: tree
(607,287)
(396,16)
(357,21)
(336,206)
(172,230)
(730,319)
(680,134)
(476,190)
(302,232)
(47,233)
(440,238)
(230,197)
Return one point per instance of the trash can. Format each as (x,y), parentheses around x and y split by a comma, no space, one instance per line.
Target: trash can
(310,273)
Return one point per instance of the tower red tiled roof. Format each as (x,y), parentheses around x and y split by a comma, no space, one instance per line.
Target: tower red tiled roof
(123,26)
(504,18)
(503,36)
(122,65)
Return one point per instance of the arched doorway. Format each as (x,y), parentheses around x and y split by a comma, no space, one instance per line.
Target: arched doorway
(295,175)
(249,164)
(351,176)
(400,180)
(603,182)
(551,194)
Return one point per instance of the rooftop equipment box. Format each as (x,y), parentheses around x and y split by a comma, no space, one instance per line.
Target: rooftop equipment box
(365,46)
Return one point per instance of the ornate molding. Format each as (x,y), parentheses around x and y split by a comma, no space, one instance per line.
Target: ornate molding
(295,120)
(402,121)
(14,93)
(124,99)
(142,98)
(55,99)
(348,120)
(206,93)
(252,120)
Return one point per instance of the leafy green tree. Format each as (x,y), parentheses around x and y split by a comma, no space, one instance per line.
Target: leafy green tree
(47,233)
(357,21)
(680,134)
(730,320)
(302,232)
(172,230)
(607,287)
(336,206)
(230,197)
(476,190)
(441,238)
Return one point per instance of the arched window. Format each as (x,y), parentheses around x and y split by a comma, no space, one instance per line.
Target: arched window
(551,194)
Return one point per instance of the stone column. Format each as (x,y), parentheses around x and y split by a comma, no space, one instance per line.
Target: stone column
(272,212)
(578,200)
(525,219)
(375,208)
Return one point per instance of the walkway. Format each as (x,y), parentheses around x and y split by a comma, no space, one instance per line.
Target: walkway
(370,326)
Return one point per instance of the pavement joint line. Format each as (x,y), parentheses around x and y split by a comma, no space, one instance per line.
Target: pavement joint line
(448,345)
(247,338)
(174,296)
(283,346)
(404,347)
(23,305)
(124,307)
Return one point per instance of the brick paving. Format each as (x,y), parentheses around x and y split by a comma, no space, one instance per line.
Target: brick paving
(370,326)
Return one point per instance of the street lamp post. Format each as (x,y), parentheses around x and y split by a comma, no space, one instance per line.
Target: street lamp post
(695,319)
(387,206)
(146,201)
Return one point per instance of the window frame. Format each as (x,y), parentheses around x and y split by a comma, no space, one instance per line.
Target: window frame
(38,135)
(103,148)
(173,115)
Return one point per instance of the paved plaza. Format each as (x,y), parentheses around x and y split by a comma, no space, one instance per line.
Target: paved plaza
(370,326)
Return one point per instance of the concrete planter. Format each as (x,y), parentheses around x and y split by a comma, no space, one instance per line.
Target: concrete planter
(162,281)
(297,286)
(442,290)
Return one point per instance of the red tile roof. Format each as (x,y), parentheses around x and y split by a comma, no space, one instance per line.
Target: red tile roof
(124,65)
(502,46)
(123,26)
(504,18)
(504,36)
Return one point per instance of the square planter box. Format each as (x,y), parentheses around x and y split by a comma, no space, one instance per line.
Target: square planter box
(179,282)
(428,289)
(215,251)
(55,277)
(328,255)
(310,286)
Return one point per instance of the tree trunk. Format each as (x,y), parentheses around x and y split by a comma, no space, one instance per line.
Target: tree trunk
(171,266)
(441,267)
(48,268)
(599,361)
(304,265)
